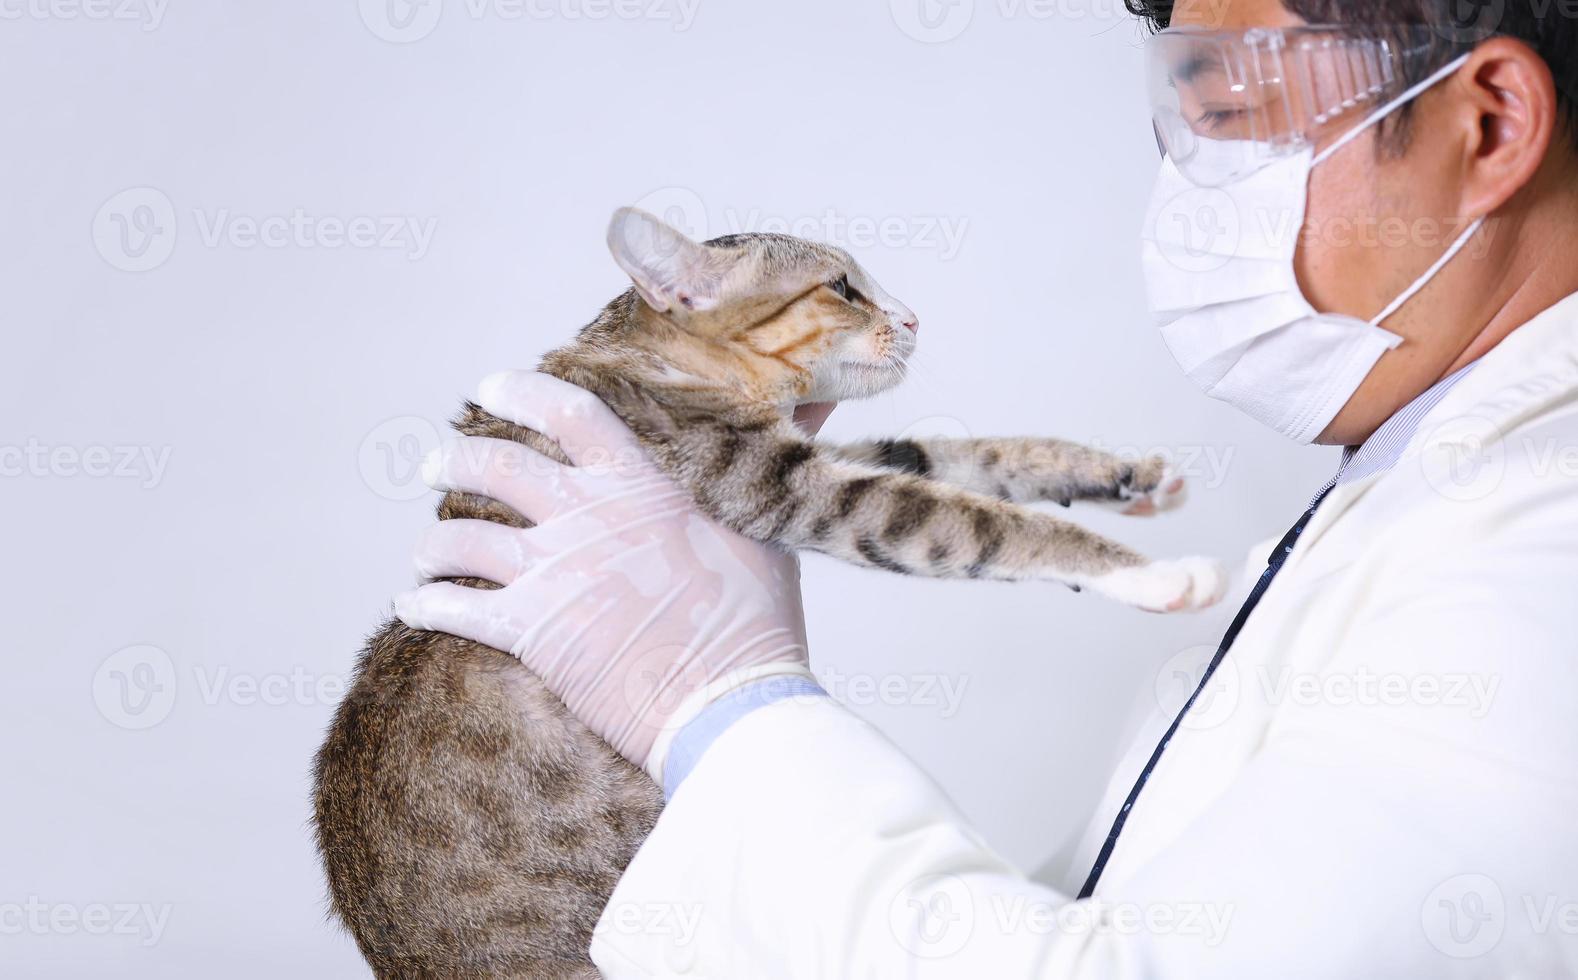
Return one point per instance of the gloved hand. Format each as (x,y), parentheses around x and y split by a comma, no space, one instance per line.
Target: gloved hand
(629,604)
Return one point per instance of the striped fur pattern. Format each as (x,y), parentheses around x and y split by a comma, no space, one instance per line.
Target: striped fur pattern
(469,826)
(1024,471)
(939,509)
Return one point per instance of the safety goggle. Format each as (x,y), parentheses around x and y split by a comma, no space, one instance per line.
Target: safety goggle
(1227,103)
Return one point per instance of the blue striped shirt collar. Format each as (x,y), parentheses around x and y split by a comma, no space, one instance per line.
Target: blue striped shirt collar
(1385,446)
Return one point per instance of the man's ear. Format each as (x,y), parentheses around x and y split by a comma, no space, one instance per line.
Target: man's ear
(670,271)
(1508,118)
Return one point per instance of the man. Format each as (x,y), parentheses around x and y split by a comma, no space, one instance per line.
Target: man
(1404,808)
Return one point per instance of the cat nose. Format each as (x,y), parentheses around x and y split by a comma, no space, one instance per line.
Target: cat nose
(908,321)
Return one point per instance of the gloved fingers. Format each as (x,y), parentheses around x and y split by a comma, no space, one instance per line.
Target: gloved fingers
(514,474)
(444,607)
(581,423)
(468,548)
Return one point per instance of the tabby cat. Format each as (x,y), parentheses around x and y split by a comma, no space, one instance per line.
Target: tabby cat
(469,826)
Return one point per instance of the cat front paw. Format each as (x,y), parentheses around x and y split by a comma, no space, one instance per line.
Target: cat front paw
(1143,496)
(1181,585)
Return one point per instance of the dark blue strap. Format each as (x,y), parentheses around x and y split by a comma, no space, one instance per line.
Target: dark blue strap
(1273,565)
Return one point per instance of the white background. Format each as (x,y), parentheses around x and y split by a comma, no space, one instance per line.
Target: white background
(289,388)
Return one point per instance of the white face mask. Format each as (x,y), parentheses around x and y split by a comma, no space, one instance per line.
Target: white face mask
(1219,275)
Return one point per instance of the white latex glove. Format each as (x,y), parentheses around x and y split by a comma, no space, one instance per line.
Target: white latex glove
(632,606)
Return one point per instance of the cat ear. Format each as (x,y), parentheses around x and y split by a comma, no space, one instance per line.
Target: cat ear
(670,271)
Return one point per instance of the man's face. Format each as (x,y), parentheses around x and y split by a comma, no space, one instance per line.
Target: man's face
(1374,223)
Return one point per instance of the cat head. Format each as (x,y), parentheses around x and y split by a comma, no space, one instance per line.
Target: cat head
(803,318)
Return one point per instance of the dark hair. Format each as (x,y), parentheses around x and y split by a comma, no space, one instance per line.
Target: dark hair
(1550,27)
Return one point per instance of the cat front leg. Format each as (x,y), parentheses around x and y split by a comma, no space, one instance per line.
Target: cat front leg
(1028,470)
(777,488)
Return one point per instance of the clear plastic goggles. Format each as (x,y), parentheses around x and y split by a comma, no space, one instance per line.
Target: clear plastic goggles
(1227,103)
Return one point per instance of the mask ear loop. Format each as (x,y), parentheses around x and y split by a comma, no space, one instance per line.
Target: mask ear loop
(1370,120)
(1430,273)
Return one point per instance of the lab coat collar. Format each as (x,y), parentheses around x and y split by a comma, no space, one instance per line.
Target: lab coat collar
(1533,368)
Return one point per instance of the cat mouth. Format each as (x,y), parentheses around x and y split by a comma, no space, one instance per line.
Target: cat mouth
(877,367)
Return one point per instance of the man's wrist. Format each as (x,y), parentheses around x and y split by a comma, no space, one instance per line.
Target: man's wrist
(708,712)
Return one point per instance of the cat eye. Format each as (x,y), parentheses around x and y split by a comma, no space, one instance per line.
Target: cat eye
(841,287)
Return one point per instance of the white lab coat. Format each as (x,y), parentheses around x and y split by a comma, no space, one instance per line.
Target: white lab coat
(1382,784)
